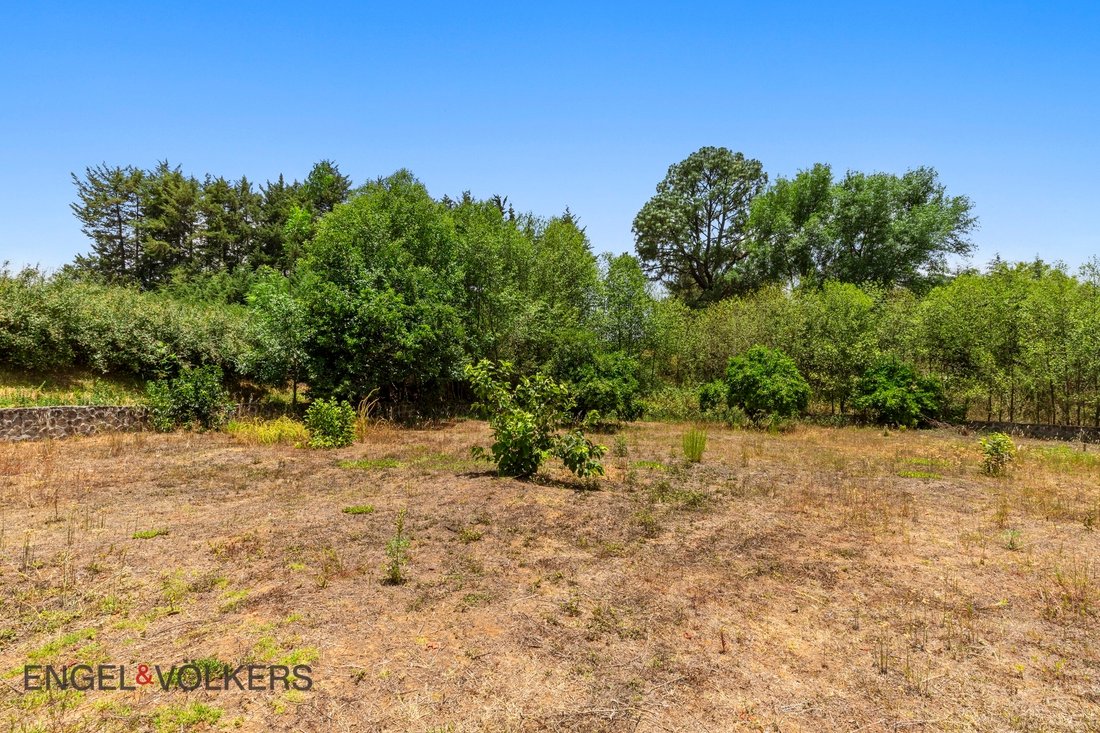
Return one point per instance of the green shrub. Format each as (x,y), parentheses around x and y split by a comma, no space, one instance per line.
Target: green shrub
(891,392)
(695,443)
(331,424)
(526,419)
(608,385)
(765,382)
(998,451)
(195,397)
(712,396)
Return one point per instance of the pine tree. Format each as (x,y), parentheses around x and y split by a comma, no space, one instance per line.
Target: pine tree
(109,209)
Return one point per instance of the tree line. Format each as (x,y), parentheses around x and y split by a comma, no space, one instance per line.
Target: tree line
(384,290)
(148,226)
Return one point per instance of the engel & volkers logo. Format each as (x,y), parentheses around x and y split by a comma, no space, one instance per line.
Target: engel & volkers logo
(186,677)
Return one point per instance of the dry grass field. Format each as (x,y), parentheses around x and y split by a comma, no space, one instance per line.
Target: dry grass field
(819,580)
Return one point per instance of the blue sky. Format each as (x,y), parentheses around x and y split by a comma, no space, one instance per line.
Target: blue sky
(579,105)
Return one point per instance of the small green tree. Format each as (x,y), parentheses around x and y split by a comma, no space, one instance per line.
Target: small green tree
(765,382)
(998,451)
(527,418)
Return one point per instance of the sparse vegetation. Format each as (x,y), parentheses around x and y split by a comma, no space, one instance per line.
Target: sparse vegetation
(840,534)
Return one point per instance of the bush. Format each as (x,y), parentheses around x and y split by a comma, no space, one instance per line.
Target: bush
(605,382)
(525,420)
(331,424)
(998,451)
(765,382)
(891,392)
(196,397)
(712,396)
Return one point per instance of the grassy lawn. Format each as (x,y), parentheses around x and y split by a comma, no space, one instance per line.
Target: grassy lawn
(819,580)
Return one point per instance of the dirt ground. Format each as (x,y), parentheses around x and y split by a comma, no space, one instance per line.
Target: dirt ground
(819,580)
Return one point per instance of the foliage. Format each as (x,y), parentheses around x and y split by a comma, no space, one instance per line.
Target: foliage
(692,233)
(146,226)
(526,418)
(875,228)
(381,287)
(607,383)
(891,392)
(695,443)
(766,382)
(712,396)
(195,397)
(279,331)
(331,424)
(998,451)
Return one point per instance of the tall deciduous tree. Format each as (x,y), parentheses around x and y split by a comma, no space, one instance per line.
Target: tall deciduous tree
(692,234)
(875,228)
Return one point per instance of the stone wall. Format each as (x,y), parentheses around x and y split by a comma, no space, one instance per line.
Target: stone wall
(37,423)
(1041,432)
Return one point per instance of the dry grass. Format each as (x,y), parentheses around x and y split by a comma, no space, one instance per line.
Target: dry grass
(818,580)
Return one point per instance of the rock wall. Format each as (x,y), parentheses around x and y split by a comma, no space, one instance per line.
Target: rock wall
(37,423)
(1041,432)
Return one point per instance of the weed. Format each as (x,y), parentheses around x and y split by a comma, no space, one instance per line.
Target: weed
(650,525)
(232,601)
(1012,540)
(358,509)
(468,535)
(330,567)
(372,464)
(175,718)
(148,534)
(919,474)
(1000,516)
(1077,591)
(397,553)
(619,449)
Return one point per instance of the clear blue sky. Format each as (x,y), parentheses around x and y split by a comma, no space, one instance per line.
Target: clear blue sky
(582,106)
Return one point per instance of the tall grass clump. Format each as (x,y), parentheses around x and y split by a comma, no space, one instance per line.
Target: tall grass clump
(280,431)
(695,444)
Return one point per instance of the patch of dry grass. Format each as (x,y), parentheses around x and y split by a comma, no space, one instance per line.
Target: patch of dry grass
(816,580)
